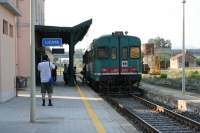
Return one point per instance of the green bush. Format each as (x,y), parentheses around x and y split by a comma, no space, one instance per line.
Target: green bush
(163,76)
(157,77)
(198,61)
(194,74)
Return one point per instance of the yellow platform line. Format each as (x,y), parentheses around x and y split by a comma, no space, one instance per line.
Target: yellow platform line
(95,119)
(172,91)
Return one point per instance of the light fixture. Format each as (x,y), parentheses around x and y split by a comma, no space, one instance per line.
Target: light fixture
(183,1)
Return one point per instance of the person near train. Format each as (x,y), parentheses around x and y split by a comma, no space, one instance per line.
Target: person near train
(65,74)
(83,72)
(74,74)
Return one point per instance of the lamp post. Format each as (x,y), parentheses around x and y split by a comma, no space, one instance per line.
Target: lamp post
(32,43)
(183,51)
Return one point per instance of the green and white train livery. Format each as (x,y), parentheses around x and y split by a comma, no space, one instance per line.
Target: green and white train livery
(113,63)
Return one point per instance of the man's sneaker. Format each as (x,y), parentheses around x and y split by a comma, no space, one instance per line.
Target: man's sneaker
(50,104)
(43,104)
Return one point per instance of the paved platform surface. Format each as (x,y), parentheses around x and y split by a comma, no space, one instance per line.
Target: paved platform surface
(69,113)
(175,98)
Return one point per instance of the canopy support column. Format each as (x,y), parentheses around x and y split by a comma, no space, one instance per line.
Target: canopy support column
(71,58)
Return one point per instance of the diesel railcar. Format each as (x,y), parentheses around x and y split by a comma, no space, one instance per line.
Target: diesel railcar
(113,63)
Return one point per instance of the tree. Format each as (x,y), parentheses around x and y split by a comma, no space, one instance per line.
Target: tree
(198,61)
(78,62)
(165,60)
(160,42)
(65,61)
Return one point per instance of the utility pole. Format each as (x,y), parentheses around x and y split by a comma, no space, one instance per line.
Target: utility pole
(32,43)
(183,51)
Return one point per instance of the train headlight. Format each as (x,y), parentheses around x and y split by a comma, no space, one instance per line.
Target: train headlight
(134,69)
(104,70)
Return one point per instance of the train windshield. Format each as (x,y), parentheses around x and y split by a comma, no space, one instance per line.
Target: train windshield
(102,53)
(134,52)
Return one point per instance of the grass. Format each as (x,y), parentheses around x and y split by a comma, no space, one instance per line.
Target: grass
(173,78)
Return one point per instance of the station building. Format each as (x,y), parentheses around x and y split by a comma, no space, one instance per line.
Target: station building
(15,49)
(15,42)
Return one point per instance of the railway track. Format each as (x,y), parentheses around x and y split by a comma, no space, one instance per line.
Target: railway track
(151,117)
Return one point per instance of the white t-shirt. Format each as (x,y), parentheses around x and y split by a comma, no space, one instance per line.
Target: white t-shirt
(45,70)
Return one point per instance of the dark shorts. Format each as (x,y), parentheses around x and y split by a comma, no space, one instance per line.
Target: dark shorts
(46,87)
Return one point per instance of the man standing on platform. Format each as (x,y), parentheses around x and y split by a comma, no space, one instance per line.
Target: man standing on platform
(45,68)
(65,74)
(54,73)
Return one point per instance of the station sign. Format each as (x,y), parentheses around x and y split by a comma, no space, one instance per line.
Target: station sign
(58,51)
(51,42)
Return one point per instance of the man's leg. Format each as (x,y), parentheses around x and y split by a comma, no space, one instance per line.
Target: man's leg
(43,91)
(43,99)
(65,78)
(50,92)
(50,97)
(75,79)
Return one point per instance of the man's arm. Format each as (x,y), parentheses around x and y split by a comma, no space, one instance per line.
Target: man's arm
(52,65)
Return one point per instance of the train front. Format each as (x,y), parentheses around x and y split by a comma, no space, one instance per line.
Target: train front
(118,65)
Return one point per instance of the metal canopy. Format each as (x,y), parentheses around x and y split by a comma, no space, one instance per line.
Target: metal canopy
(69,35)
(78,31)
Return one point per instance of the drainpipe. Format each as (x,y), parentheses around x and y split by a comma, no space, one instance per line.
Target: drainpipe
(16,51)
(16,41)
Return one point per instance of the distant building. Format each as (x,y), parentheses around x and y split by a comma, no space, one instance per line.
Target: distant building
(176,61)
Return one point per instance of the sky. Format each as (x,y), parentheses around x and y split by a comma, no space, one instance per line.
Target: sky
(142,18)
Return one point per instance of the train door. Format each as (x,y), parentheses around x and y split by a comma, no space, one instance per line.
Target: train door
(114,56)
(124,55)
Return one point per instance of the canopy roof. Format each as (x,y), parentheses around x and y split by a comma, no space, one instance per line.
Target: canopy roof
(65,33)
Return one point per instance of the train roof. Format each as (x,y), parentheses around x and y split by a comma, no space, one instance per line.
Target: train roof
(116,33)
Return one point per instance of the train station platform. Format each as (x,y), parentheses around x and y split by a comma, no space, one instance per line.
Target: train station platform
(76,109)
(190,101)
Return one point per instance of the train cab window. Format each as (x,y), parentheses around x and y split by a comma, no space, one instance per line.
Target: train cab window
(134,52)
(113,53)
(102,53)
(124,53)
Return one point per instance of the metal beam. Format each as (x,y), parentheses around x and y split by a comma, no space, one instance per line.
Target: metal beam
(66,55)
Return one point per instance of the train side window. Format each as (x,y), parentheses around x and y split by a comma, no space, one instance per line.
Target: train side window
(124,53)
(134,52)
(102,53)
(113,53)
